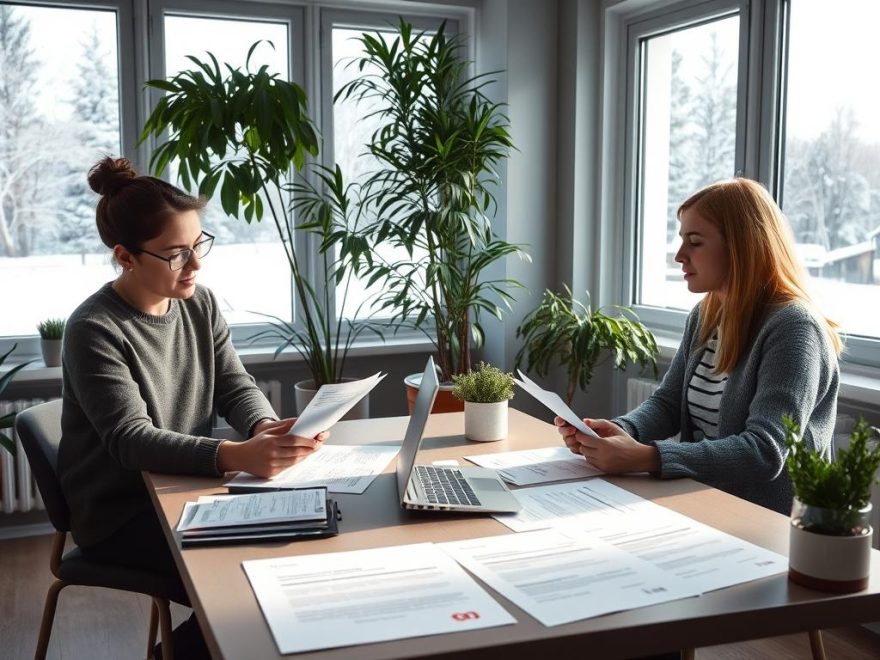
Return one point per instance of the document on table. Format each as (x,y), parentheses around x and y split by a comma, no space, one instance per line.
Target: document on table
(590,504)
(536,466)
(341,468)
(554,402)
(259,508)
(694,553)
(330,403)
(559,579)
(324,601)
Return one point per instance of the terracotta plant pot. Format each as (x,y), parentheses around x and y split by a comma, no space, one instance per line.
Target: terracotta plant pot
(444,402)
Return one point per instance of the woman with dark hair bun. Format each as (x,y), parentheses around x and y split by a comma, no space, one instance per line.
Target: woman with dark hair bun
(147,359)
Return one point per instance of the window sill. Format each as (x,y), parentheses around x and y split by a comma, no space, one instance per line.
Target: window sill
(39,374)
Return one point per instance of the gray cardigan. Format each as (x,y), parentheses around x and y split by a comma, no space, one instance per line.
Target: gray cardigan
(139,393)
(791,368)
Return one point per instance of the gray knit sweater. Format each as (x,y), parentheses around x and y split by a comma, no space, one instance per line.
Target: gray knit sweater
(791,368)
(139,393)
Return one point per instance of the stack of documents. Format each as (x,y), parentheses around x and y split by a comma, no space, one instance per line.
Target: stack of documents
(216,519)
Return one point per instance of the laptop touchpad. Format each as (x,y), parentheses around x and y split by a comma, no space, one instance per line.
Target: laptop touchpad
(486,484)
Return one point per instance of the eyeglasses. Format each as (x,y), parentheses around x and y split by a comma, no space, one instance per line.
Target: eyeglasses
(180,259)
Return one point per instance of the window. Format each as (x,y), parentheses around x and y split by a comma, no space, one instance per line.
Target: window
(59,113)
(353,125)
(831,185)
(253,248)
(688,137)
(774,91)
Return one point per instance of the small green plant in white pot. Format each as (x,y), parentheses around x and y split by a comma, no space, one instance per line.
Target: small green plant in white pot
(830,537)
(51,331)
(485,393)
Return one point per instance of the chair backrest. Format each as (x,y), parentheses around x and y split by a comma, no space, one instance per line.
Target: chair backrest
(39,429)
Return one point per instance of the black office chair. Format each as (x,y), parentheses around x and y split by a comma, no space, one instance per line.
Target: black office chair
(39,429)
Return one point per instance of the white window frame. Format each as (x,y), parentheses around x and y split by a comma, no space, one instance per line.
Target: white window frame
(760,121)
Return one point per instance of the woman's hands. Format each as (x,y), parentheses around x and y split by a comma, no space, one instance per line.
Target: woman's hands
(269,451)
(614,451)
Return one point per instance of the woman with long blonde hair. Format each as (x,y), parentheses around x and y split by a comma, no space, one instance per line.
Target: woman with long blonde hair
(754,349)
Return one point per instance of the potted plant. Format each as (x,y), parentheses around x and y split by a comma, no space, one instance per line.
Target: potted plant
(51,331)
(485,393)
(8,421)
(246,134)
(830,534)
(564,331)
(429,197)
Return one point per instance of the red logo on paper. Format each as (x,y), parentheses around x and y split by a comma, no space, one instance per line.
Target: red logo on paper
(465,616)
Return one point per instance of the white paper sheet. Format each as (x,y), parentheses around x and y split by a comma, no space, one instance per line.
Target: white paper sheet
(330,403)
(591,505)
(341,468)
(558,579)
(360,597)
(536,466)
(258,508)
(554,402)
(694,553)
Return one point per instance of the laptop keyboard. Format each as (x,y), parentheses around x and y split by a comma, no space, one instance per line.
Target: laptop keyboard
(445,486)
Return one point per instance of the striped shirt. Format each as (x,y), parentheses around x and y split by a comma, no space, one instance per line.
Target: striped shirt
(705,390)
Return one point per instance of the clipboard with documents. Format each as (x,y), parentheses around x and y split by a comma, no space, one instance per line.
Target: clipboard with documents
(297,514)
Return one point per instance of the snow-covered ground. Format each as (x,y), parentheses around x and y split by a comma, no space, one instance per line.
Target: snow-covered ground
(254,277)
(856,307)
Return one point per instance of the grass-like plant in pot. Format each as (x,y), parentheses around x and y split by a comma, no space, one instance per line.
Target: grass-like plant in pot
(563,331)
(485,393)
(830,536)
(8,420)
(247,134)
(437,148)
(51,332)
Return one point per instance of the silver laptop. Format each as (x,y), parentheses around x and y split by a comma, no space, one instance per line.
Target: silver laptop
(446,488)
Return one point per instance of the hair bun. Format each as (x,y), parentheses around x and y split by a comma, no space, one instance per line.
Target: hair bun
(110,174)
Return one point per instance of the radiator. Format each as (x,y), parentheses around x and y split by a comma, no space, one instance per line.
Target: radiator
(18,492)
(637,390)
(272,390)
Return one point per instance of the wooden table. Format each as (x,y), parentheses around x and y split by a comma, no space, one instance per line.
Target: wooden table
(234,626)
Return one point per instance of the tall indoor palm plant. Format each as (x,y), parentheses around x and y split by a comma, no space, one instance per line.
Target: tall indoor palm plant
(437,150)
(247,134)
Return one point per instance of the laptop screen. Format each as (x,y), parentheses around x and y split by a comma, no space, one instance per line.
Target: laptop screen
(416,427)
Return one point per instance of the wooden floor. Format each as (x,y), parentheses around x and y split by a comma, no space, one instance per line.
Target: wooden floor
(101,623)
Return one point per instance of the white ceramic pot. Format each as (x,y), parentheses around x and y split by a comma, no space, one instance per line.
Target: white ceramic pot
(826,562)
(51,352)
(305,391)
(485,422)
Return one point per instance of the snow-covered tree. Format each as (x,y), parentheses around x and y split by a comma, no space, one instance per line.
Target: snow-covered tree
(681,176)
(828,199)
(714,118)
(23,157)
(95,126)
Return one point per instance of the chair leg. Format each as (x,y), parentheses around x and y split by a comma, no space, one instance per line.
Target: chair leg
(688,654)
(816,645)
(48,618)
(164,611)
(154,625)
